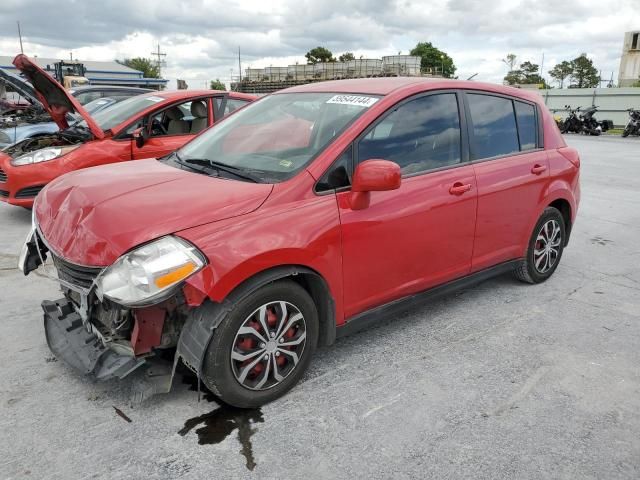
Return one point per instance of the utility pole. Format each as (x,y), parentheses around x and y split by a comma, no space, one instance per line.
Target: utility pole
(159,60)
(20,37)
(239,68)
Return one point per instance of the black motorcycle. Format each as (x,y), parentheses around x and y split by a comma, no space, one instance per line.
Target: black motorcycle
(590,126)
(633,126)
(573,123)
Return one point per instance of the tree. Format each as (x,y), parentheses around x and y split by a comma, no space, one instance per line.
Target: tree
(346,56)
(319,55)
(561,71)
(527,73)
(510,61)
(217,85)
(147,66)
(434,59)
(583,73)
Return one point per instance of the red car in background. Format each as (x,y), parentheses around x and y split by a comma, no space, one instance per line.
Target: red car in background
(145,126)
(306,216)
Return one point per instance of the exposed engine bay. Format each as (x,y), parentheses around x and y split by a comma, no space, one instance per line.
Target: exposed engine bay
(71,136)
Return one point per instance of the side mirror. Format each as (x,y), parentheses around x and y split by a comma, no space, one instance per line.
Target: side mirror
(373,176)
(140,135)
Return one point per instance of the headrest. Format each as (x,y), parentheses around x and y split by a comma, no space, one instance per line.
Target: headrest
(175,113)
(199,109)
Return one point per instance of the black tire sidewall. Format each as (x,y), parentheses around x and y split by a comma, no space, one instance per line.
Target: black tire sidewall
(550,213)
(217,372)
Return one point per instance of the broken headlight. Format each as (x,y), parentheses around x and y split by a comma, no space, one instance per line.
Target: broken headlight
(148,273)
(42,155)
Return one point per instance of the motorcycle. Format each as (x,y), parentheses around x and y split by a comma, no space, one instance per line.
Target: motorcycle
(633,126)
(590,126)
(573,123)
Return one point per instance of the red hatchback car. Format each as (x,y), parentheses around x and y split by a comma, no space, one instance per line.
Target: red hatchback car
(150,125)
(308,215)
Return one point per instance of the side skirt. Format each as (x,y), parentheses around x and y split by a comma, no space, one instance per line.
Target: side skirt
(371,317)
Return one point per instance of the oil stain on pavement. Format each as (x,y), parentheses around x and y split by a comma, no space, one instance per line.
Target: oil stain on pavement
(213,427)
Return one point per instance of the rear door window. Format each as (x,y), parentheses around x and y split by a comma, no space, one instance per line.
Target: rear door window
(494,126)
(527,125)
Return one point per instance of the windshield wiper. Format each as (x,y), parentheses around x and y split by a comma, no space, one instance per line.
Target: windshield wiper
(220,167)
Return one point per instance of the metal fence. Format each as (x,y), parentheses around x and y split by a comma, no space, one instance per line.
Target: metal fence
(612,102)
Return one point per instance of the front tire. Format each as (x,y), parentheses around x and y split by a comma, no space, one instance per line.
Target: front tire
(545,248)
(263,346)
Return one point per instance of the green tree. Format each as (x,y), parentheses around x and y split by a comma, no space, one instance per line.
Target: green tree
(514,77)
(217,85)
(346,56)
(147,66)
(583,73)
(319,55)
(561,71)
(527,73)
(434,58)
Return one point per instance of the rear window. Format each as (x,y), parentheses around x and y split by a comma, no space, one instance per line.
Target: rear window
(527,125)
(494,126)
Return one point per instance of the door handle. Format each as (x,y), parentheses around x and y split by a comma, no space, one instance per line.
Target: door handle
(459,188)
(538,169)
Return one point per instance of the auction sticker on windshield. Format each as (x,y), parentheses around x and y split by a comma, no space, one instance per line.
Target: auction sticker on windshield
(357,100)
(155,99)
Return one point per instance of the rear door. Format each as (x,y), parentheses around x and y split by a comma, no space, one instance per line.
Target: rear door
(420,235)
(512,172)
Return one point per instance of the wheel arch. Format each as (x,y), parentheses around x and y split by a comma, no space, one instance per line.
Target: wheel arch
(204,319)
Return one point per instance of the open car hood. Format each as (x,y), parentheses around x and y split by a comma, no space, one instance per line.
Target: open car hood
(21,87)
(57,101)
(92,216)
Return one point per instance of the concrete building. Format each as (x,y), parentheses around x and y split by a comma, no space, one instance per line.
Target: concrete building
(98,73)
(629,73)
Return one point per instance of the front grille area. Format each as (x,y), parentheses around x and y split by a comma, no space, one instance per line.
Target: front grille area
(29,192)
(3,176)
(75,274)
(4,193)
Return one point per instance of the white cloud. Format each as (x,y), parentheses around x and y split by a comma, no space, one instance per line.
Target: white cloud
(201,37)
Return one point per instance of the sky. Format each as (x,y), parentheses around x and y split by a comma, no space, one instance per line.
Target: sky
(201,37)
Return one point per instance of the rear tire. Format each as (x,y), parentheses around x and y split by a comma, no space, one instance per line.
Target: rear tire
(263,346)
(545,248)
(626,132)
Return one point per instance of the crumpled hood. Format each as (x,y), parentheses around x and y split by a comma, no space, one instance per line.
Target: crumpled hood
(92,216)
(54,97)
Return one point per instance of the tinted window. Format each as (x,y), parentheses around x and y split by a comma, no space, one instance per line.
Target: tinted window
(494,126)
(339,175)
(527,125)
(420,135)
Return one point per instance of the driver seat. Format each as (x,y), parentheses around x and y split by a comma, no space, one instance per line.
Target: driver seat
(176,125)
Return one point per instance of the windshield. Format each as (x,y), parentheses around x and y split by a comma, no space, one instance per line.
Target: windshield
(276,137)
(122,111)
(92,108)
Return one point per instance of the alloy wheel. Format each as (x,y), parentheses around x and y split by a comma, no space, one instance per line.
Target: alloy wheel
(268,346)
(547,246)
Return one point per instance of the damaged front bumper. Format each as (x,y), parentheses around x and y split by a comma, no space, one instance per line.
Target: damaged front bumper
(80,347)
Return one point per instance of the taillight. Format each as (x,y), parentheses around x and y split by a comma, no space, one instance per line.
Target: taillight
(570,154)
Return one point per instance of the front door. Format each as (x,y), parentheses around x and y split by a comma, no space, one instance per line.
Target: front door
(172,127)
(420,235)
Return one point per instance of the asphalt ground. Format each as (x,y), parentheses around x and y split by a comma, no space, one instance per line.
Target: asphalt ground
(503,380)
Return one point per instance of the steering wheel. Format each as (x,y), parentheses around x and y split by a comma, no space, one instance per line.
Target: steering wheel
(156,124)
